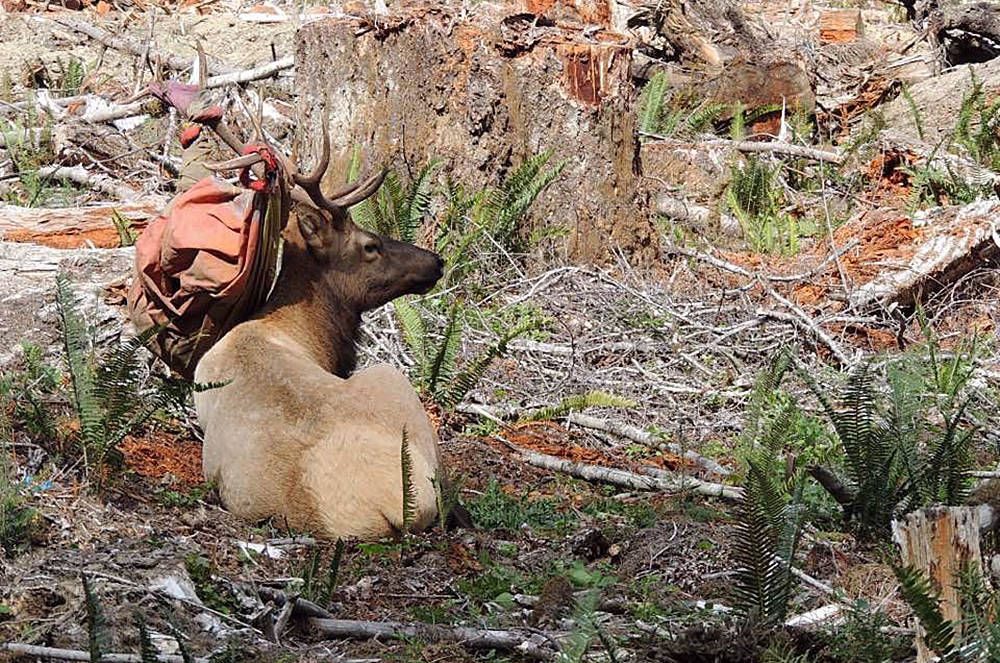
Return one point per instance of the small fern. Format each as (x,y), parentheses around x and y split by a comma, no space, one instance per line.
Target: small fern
(108,393)
(97,635)
(436,371)
(395,211)
(919,594)
(577,403)
(147,652)
(409,491)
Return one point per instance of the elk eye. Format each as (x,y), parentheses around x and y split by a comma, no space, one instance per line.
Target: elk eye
(371,249)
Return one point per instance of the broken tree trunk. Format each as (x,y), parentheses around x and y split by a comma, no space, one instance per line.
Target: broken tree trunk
(965,31)
(940,541)
(840,26)
(948,242)
(484,92)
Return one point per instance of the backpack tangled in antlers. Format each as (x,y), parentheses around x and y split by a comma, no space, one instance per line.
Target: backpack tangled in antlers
(211,258)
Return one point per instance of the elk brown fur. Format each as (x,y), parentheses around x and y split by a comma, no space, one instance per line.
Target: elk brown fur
(295,433)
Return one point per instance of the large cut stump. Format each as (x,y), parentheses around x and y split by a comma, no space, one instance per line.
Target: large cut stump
(484,92)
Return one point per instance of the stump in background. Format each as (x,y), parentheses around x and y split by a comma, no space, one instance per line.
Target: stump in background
(484,91)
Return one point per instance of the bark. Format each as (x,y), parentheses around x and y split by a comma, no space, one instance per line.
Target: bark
(840,26)
(662,481)
(28,313)
(940,541)
(484,92)
(939,101)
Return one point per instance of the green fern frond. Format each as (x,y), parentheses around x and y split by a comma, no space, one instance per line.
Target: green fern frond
(919,594)
(333,571)
(442,365)
(409,491)
(79,360)
(466,380)
(651,103)
(414,331)
(762,579)
(918,119)
(97,636)
(505,206)
(577,403)
(186,654)
(418,201)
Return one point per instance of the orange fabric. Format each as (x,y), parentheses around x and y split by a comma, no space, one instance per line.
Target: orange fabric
(193,265)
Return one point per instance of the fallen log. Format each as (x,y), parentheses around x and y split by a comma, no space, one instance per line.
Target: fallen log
(952,241)
(98,181)
(785,149)
(75,227)
(624,478)
(530,644)
(79,655)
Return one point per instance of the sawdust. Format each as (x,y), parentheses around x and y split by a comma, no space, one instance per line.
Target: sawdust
(163,456)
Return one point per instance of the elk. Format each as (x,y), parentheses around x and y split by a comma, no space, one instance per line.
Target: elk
(294,433)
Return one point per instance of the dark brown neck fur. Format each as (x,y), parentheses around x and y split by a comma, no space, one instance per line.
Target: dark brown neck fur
(311,314)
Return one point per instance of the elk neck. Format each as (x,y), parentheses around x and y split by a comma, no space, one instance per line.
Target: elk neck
(311,314)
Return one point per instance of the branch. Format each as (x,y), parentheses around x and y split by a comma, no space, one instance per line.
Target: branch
(624,478)
(119,43)
(104,183)
(753,146)
(832,484)
(77,655)
(530,645)
(640,436)
(263,71)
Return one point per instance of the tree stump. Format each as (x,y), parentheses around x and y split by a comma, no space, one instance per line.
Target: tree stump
(940,541)
(484,90)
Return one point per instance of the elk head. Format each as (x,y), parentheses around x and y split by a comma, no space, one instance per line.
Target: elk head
(361,269)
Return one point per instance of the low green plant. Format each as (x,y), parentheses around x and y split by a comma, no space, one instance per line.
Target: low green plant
(754,198)
(896,458)
(769,519)
(108,390)
(860,637)
(127,235)
(209,590)
(97,623)
(975,637)
(437,373)
(17,519)
(577,403)
(396,211)
(978,124)
(666,117)
(495,509)
(26,396)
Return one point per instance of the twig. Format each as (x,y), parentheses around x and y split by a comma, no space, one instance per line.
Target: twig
(78,655)
(528,644)
(286,613)
(800,319)
(625,478)
(752,146)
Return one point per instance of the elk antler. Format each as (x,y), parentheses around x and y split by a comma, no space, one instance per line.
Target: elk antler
(343,198)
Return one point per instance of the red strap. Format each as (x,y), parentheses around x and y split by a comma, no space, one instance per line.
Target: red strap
(265,185)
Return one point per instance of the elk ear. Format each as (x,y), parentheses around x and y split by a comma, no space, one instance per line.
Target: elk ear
(312,232)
